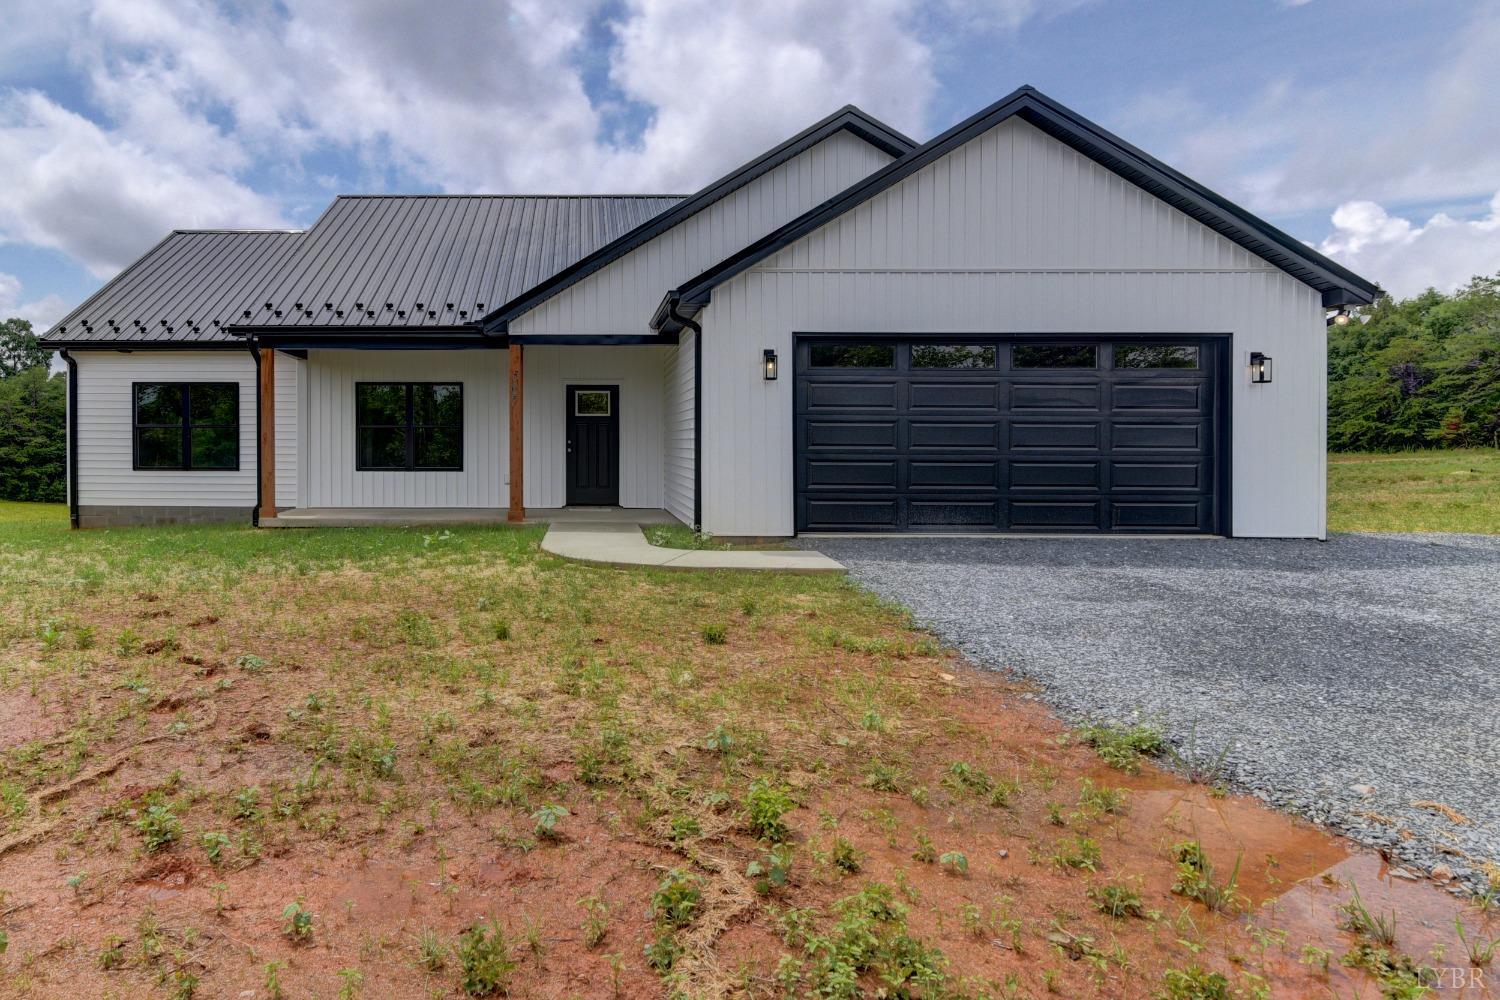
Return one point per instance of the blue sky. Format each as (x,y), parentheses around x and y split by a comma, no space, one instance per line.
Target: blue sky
(1366,129)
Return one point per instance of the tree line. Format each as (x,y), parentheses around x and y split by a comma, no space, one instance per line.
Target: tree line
(1422,372)
(33,407)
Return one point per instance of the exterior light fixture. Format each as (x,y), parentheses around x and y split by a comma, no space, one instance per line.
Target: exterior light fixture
(1340,318)
(768,364)
(1260,368)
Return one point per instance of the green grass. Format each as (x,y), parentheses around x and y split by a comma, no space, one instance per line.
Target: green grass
(680,536)
(1457,490)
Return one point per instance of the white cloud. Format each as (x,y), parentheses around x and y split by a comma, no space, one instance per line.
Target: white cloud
(67,184)
(42,312)
(1407,258)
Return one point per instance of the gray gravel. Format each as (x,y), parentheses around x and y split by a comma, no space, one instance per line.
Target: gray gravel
(1316,669)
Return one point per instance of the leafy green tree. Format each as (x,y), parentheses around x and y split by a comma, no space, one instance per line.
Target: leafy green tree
(19,349)
(1421,372)
(33,444)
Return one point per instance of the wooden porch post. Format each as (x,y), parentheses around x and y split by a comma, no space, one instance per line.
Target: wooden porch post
(517,510)
(266,411)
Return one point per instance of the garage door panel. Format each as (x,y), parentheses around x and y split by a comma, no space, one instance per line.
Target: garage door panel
(1054,475)
(850,434)
(847,394)
(1026,435)
(1181,516)
(1055,514)
(1055,396)
(958,394)
(913,446)
(1158,436)
(834,514)
(846,474)
(931,435)
(1157,396)
(953,474)
(953,513)
(1190,476)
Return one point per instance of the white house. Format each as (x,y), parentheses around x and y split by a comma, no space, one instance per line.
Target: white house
(1024,324)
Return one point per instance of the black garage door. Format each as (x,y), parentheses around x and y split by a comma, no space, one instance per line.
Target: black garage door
(1017,434)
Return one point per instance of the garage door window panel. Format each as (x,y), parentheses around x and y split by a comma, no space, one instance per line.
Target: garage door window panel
(1047,356)
(1150,357)
(954,357)
(853,356)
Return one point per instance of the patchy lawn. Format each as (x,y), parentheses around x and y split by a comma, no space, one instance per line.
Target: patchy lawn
(410,763)
(1456,490)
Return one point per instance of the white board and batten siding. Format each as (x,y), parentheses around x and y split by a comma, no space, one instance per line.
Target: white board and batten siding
(1015,232)
(637,370)
(620,297)
(328,474)
(677,429)
(106,426)
(288,430)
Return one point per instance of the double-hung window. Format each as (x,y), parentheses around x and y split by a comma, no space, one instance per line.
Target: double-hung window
(409,426)
(186,425)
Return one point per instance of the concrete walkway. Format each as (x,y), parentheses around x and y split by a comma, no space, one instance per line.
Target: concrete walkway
(615,544)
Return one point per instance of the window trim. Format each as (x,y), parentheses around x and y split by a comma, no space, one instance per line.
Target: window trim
(186,427)
(410,427)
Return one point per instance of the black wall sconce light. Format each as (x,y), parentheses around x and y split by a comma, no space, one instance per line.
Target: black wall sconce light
(1260,368)
(768,364)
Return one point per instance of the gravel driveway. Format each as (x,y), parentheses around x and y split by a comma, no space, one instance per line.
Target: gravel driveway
(1326,669)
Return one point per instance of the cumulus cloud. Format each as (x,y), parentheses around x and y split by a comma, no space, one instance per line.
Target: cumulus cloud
(191,110)
(42,312)
(1407,258)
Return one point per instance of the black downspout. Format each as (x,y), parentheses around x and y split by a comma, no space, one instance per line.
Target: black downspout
(255,353)
(697,411)
(72,364)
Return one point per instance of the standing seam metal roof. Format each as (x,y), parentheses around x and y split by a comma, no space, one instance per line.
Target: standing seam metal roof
(369,260)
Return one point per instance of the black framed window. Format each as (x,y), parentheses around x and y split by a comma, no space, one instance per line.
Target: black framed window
(1052,356)
(853,356)
(1156,356)
(186,425)
(953,356)
(409,426)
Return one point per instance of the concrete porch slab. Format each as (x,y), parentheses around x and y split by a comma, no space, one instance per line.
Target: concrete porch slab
(617,544)
(366,517)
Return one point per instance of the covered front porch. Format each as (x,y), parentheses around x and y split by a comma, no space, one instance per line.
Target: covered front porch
(383,432)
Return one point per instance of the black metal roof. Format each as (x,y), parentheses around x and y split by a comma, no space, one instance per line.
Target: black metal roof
(185,289)
(1339,285)
(414,261)
(848,118)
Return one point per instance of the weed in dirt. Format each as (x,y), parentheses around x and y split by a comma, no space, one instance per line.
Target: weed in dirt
(432,954)
(846,857)
(350,982)
(112,955)
(662,952)
(869,940)
(719,740)
(273,980)
(954,863)
(1479,951)
(1318,958)
(883,777)
(963,778)
(215,843)
(500,630)
(546,820)
(1196,879)
(595,921)
(1400,976)
(159,827)
(772,870)
(925,852)
(1078,852)
(247,804)
(484,960)
(715,634)
(683,827)
(1117,900)
(1377,927)
(765,805)
(676,900)
(1123,747)
(297,922)
(1194,983)
(1097,800)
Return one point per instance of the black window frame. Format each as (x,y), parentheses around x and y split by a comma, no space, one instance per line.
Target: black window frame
(410,427)
(186,425)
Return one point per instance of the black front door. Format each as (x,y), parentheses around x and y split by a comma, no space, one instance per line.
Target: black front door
(593,445)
